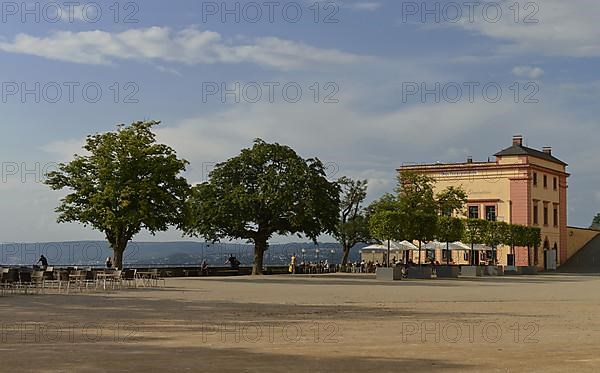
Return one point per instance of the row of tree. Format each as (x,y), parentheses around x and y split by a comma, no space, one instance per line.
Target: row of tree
(127,182)
(416,213)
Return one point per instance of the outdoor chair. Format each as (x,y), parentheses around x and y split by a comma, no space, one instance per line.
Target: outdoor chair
(10,277)
(128,277)
(76,280)
(115,280)
(25,282)
(38,281)
(2,287)
(157,278)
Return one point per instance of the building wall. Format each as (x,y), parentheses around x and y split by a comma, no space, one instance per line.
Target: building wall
(553,233)
(507,184)
(577,238)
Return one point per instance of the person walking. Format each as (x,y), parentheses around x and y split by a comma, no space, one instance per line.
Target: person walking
(293,262)
(204,268)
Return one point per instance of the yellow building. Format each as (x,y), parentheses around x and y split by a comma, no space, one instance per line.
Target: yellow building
(522,186)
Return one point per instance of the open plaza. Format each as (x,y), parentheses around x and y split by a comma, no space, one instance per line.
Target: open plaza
(304,323)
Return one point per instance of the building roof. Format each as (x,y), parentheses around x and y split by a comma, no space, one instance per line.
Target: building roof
(523,150)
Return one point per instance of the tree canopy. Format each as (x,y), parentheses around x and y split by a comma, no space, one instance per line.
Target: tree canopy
(265,190)
(451,200)
(126,183)
(352,225)
(596,222)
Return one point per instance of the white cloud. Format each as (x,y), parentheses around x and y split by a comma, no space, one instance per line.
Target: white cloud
(63,150)
(189,46)
(563,28)
(366,6)
(529,72)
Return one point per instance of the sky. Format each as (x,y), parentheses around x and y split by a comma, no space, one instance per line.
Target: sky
(366,86)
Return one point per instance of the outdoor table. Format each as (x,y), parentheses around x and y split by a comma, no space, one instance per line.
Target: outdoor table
(78,279)
(103,276)
(146,277)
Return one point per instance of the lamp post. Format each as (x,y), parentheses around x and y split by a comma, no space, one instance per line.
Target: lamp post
(317,251)
(332,252)
(303,252)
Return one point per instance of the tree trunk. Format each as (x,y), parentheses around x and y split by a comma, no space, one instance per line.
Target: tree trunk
(346,255)
(388,255)
(118,246)
(260,246)
(118,258)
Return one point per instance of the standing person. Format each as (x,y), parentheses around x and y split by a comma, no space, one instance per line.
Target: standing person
(231,261)
(293,261)
(43,261)
(109,262)
(204,268)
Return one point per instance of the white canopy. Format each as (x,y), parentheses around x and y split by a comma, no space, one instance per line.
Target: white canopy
(454,246)
(394,246)
(374,248)
(403,246)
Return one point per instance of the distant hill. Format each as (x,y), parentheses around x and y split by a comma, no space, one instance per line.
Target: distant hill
(94,253)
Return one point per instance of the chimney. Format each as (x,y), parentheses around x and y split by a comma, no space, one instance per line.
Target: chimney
(469,159)
(518,140)
(547,150)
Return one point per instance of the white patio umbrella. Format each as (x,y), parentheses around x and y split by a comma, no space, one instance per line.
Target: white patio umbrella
(403,246)
(375,247)
(459,246)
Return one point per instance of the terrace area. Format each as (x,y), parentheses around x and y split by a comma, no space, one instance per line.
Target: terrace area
(319,323)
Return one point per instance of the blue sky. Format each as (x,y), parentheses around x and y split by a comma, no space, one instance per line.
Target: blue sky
(367,60)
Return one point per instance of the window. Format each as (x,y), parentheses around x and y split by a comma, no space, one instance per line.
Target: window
(545,215)
(555,216)
(555,183)
(430,255)
(535,214)
(545,181)
(446,255)
(490,213)
(473,212)
(489,255)
(535,178)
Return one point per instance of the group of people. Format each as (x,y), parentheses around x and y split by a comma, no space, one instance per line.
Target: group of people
(43,262)
(364,266)
(321,266)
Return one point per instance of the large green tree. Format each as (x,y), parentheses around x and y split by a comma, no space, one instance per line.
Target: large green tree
(451,200)
(494,235)
(265,190)
(126,183)
(475,233)
(419,207)
(533,237)
(386,221)
(352,225)
(449,230)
